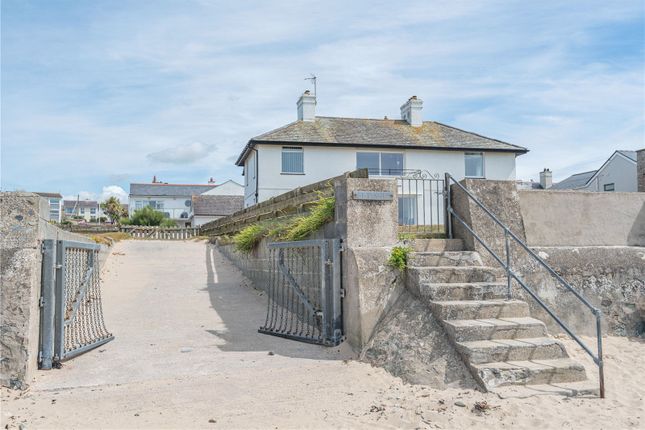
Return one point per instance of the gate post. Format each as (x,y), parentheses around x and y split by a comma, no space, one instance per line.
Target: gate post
(47,304)
(59,319)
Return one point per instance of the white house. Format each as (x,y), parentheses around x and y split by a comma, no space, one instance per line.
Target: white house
(175,200)
(89,210)
(618,173)
(55,205)
(315,148)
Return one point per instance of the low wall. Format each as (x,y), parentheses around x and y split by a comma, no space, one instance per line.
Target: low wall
(288,203)
(574,218)
(23,227)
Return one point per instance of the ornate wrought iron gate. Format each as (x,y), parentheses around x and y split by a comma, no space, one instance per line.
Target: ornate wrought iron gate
(71,320)
(421,203)
(304,291)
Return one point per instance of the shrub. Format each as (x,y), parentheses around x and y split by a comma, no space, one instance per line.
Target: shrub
(321,213)
(150,217)
(249,237)
(399,257)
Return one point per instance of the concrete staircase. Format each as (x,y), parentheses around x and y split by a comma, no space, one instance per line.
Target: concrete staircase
(497,338)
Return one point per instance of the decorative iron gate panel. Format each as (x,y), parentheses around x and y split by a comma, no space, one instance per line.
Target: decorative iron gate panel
(304,291)
(71,311)
(422,205)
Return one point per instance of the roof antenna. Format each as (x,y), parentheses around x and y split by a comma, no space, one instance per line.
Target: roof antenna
(313,79)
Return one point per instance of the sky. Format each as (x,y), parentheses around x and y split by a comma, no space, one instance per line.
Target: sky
(98,94)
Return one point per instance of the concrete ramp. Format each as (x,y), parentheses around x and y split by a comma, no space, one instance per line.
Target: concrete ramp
(411,344)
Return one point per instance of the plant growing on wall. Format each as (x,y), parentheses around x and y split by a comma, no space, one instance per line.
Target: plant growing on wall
(321,213)
(399,257)
(249,237)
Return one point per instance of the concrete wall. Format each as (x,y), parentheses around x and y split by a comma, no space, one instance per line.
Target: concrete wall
(321,162)
(612,278)
(23,226)
(640,169)
(571,218)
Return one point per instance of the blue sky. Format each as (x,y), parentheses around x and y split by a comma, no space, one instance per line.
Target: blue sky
(98,94)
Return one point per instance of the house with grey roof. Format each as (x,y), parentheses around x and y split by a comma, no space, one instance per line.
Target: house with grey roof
(207,208)
(618,173)
(88,210)
(314,148)
(175,201)
(54,200)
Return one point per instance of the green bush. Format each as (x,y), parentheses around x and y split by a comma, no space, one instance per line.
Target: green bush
(149,217)
(249,237)
(321,213)
(399,257)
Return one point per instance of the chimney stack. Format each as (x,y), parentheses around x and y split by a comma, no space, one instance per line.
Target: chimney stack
(411,111)
(307,107)
(211,180)
(546,179)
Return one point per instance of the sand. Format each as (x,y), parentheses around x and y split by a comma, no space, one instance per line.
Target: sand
(187,355)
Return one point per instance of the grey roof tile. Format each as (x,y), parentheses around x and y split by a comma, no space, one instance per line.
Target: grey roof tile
(217,205)
(379,132)
(168,190)
(574,181)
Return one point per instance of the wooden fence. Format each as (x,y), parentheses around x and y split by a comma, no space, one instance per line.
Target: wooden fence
(160,233)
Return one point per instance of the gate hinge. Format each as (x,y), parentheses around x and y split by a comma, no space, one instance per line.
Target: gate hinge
(41,301)
(342,293)
(329,262)
(42,247)
(40,356)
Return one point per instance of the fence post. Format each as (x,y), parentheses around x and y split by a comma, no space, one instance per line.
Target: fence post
(447,206)
(48,297)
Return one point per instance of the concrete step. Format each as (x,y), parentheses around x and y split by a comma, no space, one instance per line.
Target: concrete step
(436,245)
(464,291)
(446,258)
(478,309)
(448,274)
(494,328)
(586,388)
(487,351)
(555,371)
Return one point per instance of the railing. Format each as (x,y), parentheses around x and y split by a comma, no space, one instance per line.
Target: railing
(421,202)
(161,233)
(506,263)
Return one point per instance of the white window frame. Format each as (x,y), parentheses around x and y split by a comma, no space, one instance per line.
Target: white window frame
(380,161)
(299,149)
(483,176)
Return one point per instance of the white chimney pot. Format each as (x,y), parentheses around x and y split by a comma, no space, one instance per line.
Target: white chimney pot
(411,111)
(546,179)
(307,107)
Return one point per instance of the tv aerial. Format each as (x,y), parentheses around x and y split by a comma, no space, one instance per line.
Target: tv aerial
(313,79)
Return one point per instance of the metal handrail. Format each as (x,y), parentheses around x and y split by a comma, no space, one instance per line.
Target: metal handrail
(450,213)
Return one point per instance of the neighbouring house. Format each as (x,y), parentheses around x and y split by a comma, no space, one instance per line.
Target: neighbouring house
(618,173)
(314,148)
(88,210)
(207,208)
(54,201)
(175,200)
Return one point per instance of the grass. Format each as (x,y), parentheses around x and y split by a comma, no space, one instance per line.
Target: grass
(110,238)
(321,213)
(399,257)
(288,228)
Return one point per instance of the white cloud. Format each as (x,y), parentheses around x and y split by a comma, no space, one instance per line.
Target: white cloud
(114,191)
(182,154)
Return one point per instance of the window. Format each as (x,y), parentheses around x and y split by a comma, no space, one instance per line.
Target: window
(292,160)
(138,204)
(609,187)
(156,204)
(92,211)
(69,211)
(83,211)
(380,163)
(474,164)
(407,210)
(188,203)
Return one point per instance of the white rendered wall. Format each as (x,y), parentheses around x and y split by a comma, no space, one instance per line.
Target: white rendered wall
(324,162)
(174,206)
(228,188)
(618,171)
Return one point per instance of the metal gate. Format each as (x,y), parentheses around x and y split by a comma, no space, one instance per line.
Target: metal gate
(71,318)
(421,203)
(304,291)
